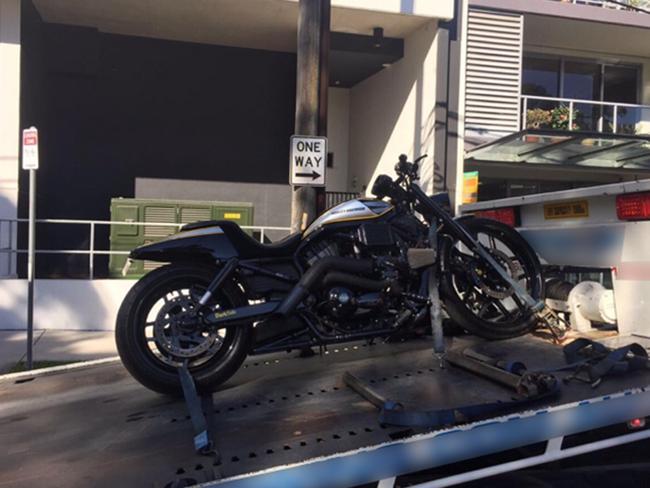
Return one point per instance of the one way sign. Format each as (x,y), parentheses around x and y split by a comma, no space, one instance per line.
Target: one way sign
(308,160)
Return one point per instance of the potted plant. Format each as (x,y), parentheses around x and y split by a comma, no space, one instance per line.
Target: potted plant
(560,118)
(537,118)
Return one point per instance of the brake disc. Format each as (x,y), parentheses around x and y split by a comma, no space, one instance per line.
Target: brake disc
(180,337)
(491,284)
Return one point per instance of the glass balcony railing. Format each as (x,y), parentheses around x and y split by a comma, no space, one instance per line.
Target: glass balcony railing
(634,5)
(584,115)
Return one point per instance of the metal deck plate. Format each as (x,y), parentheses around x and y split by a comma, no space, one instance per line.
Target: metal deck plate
(98,427)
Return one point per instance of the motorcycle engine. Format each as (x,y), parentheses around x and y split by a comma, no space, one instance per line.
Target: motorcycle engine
(320,250)
(348,306)
(341,302)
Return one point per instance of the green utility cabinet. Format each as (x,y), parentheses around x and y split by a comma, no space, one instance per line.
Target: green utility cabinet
(128,237)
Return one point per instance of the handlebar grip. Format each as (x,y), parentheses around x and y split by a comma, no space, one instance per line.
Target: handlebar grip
(403,167)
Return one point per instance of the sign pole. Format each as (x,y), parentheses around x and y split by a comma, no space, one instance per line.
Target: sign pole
(30,267)
(311,96)
(30,163)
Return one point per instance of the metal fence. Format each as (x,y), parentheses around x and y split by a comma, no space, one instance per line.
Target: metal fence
(333,198)
(9,233)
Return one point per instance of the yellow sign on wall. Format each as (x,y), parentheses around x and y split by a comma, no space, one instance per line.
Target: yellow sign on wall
(470,187)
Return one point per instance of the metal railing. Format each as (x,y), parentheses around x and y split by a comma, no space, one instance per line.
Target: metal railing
(633,5)
(586,115)
(12,232)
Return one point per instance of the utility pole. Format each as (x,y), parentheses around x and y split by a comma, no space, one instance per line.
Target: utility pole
(312,82)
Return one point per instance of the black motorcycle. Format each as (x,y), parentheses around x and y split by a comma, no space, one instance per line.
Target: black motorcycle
(360,271)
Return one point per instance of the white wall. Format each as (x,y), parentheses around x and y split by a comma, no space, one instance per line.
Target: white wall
(9,125)
(440,9)
(63,304)
(393,112)
(338,137)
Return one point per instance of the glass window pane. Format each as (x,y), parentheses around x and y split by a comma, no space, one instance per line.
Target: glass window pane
(621,84)
(541,76)
(629,120)
(581,80)
(586,116)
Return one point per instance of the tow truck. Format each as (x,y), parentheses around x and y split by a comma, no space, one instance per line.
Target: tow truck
(289,421)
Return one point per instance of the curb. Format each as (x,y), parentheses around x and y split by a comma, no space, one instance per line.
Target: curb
(57,369)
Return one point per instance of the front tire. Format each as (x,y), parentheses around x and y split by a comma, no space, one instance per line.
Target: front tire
(152,358)
(479,308)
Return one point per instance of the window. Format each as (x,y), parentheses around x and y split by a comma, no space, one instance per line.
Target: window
(581,80)
(555,77)
(541,76)
(620,84)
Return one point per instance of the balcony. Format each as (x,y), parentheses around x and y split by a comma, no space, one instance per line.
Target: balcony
(633,5)
(584,115)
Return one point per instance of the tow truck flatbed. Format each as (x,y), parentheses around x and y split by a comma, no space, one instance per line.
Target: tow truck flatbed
(289,421)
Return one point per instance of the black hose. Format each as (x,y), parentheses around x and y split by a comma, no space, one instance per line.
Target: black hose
(314,274)
(350,265)
(558,289)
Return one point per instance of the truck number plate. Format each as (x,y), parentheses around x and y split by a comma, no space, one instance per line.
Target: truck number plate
(566,210)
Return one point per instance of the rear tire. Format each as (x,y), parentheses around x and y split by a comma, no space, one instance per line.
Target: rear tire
(146,366)
(459,311)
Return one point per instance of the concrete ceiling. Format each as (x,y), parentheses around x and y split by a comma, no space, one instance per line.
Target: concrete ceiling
(604,40)
(257,24)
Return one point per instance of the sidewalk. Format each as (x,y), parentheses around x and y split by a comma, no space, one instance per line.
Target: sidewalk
(62,346)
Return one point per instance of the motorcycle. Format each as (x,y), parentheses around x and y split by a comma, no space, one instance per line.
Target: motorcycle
(360,271)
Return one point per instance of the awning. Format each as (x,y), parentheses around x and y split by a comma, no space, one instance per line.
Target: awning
(562,148)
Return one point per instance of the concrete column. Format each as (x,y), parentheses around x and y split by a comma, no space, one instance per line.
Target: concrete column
(9,127)
(455,171)
(394,112)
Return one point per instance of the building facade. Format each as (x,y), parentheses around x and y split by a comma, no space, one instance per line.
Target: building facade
(571,78)
(195,101)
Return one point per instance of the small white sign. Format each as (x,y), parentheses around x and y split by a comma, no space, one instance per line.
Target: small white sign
(308,160)
(30,148)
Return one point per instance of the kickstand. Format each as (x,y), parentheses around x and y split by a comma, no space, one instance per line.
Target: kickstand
(197,407)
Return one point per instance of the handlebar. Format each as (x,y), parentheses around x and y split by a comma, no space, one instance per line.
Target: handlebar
(406,173)
(403,168)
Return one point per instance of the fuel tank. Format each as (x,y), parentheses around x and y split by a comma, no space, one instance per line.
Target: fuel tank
(359,209)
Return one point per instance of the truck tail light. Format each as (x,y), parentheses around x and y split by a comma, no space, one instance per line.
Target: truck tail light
(506,216)
(638,423)
(635,206)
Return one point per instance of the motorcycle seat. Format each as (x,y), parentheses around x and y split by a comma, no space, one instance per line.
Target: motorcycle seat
(247,246)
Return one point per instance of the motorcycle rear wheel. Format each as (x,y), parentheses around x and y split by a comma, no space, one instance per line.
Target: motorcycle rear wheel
(152,345)
(476,298)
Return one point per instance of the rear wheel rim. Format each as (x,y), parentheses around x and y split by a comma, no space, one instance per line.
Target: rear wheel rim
(171,342)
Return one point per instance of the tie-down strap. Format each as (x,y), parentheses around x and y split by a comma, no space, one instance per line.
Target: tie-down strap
(595,361)
(393,413)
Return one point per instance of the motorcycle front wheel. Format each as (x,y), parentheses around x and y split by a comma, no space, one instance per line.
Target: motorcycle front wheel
(155,332)
(475,296)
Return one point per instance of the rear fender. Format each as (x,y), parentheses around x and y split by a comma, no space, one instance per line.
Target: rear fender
(202,244)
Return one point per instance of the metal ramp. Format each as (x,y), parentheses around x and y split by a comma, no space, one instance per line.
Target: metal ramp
(289,420)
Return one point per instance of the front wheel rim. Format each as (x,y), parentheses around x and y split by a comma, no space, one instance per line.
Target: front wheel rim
(486,298)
